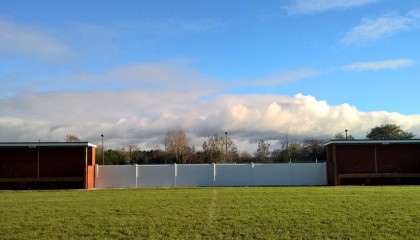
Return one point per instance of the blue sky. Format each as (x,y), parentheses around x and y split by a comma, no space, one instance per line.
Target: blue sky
(133,70)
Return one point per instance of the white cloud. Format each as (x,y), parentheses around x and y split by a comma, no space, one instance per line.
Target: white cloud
(372,29)
(318,6)
(152,98)
(141,117)
(20,39)
(379,65)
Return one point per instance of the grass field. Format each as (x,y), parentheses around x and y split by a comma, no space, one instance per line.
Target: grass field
(213,213)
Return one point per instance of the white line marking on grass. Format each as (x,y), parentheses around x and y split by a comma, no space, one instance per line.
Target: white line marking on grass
(212,208)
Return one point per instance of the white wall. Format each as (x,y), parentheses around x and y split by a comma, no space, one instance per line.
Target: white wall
(308,174)
(110,176)
(233,175)
(272,174)
(195,175)
(275,174)
(156,175)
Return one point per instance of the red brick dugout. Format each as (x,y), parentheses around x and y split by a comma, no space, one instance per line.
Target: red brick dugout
(373,162)
(47,165)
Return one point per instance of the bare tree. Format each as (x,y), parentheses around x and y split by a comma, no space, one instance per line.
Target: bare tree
(177,145)
(314,149)
(341,136)
(72,138)
(295,151)
(263,152)
(132,150)
(245,157)
(220,149)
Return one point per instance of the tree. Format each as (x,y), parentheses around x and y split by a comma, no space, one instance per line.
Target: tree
(113,157)
(72,138)
(281,155)
(341,136)
(314,149)
(156,156)
(388,131)
(295,151)
(132,150)
(263,151)
(177,146)
(214,149)
(245,157)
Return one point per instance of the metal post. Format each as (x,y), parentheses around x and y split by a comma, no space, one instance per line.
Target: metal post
(103,153)
(226,147)
(346,133)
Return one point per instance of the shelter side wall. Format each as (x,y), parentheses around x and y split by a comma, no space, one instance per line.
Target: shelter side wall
(18,162)
(330,165)
(355,159)
(398,158)
(91,167)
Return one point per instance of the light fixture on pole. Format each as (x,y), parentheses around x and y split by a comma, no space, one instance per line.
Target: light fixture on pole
(103,154)
(226,147)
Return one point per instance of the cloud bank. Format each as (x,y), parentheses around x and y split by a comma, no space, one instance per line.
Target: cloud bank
(140,117)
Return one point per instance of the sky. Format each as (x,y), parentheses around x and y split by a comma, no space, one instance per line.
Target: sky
(259,70)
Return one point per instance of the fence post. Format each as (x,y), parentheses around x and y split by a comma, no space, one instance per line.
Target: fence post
(214,174)
(291,172)
(96,175)
(175,173)
(251,174)
(137,173)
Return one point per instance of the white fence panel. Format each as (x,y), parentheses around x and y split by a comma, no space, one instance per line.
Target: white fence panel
(233,175)
(309,174)
(156,176)
(195,175)
(275,174)
(121,176)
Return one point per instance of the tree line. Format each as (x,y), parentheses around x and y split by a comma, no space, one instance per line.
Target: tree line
(222,149)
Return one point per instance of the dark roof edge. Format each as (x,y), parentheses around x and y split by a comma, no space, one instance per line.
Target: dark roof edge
(46,144)
(366,141)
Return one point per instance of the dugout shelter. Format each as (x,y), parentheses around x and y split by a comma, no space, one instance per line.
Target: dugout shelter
(47,165)
(373,162)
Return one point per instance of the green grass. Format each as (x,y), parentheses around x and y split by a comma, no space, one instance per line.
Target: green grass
(213,213)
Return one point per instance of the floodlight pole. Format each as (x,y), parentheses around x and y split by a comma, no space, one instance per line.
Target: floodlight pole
(346,133)
(226,147)
(103,154)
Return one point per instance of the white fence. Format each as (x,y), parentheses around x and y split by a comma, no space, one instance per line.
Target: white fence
(191,175)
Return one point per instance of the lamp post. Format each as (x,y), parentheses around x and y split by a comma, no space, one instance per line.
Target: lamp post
(103,153)
(226,147)
(346,133)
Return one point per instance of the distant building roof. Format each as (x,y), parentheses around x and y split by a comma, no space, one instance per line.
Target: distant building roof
(366,141)
(46,144)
